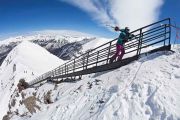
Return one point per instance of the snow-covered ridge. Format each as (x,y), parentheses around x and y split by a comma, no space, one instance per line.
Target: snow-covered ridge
(33,56)
(25,61)
(147,89)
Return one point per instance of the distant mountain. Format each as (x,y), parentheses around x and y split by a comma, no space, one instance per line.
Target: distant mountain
(62,43)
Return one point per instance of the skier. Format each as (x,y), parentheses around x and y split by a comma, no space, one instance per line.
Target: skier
(123,37)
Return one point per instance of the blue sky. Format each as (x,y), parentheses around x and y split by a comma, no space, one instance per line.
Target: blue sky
(23,16)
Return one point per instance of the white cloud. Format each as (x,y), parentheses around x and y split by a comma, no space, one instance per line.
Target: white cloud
(132,13)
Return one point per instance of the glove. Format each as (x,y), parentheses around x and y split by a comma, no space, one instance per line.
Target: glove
(116,28)
(131,36)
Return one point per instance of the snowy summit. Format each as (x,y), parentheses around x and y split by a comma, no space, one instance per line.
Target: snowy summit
(26,61)
(145,89)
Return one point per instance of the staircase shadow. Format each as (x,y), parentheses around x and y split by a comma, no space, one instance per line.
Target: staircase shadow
(150,56)
(67,80)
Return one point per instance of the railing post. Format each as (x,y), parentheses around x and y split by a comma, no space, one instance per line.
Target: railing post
(109,50)
(54,72)
(60,70)
(87,59)
(74,65)
(165,32)
(65,68)
(97,58)
(83,61)
(138,49)
(169,31)
(57,71)
(141,38)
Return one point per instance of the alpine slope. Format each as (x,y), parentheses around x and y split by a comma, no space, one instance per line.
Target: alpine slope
(146,89)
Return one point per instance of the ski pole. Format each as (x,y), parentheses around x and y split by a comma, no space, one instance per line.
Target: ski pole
(110,26)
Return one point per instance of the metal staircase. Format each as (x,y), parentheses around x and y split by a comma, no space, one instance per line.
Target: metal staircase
(148,39)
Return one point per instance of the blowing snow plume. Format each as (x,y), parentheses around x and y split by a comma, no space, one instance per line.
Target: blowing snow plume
(132,13)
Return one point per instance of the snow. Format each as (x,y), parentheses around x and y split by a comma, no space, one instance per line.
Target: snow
(26,61)
(33,56)
(145,89)
(95,43)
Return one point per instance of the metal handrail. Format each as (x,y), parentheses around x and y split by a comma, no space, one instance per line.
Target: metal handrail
(145,36)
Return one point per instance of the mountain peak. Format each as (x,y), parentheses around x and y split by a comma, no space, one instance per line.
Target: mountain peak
(25,61)
(33,56)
